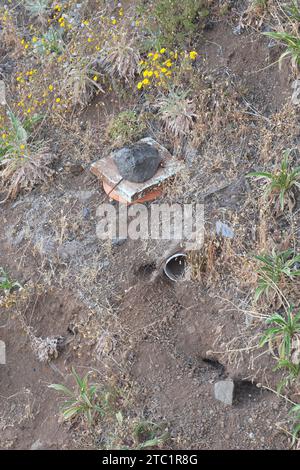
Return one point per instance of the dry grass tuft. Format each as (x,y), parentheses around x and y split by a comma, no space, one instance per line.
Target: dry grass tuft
(120,56)
(177,112)
(23,174)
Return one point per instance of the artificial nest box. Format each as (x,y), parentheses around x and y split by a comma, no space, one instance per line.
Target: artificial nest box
(136,173)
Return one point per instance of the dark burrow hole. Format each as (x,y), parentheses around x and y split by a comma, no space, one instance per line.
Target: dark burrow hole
(214,364)
(209,365)
(245,390)
(145,270)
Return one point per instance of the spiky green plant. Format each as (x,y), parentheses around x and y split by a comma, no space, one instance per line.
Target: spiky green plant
(295,411)
(293,372)
(86,400)
(148,434)
(274,268)
(282,181)
(282,334)
(6,284)
(291,42)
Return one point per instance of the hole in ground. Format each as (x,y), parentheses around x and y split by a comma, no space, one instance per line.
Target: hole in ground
(246,391)
(213,363)
(145,270)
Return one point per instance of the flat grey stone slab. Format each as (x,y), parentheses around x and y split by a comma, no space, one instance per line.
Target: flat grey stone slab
(106,170)
(2,353)
(224,391)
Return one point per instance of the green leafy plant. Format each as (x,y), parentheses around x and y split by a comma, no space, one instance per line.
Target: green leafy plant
(281,182)
(51,41)
(85,400)
(291,42)
(37,7)
(126,127)
(173,22)
(283,333)
(292,369)
(148,434)
(295,411)
(274,268)
(6,284)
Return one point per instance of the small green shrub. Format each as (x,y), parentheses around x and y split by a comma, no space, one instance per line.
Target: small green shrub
(295,411)
(283,334)
(292,44)
(86,400)
(282,182)
(6,284)
(148,434)
(173,23)
(125,128)
(274,268)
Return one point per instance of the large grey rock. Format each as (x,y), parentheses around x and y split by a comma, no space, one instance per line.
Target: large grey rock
(224,391)
(138,162)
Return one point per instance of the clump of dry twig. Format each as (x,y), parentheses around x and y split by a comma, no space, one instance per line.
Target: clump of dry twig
(47,348)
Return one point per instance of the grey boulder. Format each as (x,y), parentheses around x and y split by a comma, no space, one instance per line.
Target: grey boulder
(138,162)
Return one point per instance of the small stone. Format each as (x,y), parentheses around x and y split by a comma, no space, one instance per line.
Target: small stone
(224,230)
(86,213)
(2,93)
(2,353)
(37,445)
(237,29)
(138,162)
(224,391)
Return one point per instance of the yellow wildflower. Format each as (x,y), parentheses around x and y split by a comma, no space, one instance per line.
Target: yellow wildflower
(95,78)
(57,100)
(193,55)
(22,146)
(50,87)
(163,50)
(145,81)
(139,85)
(34,39)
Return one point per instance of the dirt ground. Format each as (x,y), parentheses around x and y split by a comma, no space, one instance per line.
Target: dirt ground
(169,342)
